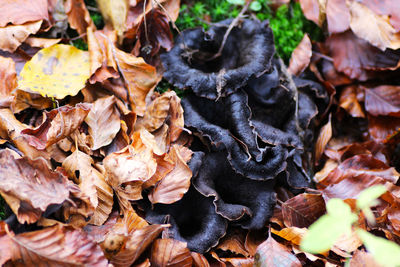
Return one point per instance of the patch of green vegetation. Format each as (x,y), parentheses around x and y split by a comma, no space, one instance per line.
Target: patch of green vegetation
(164,86)
(2,208)
(287,22)
(80,44)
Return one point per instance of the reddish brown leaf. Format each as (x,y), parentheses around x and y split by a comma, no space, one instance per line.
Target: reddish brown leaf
(198,260)
(382,127)
(324,136)
(337,16)
(383,100)
(292,234)
(273,254)
(253,240)
(349,102)
(312,11)
(301,56)
(8,76)
(78,16)
(18,12)
(363,259)
(302,210)
(239,262)
(234,242)
(29,187)
(59,123)
(56,246)
(170,252)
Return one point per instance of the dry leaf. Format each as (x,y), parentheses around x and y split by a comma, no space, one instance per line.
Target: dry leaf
(337,16)
(104,122)
(198,260)
(12,36)
(78,16)
(301,56)
(18,12)
(8,76)
(170,252)
(324,136)
(234,242)
(363,259)
(314,10)
(292,234)
(54,246)
(381,127)
(114,12)
(383,100)
(175,184)
(57,71)
(41,42)
(349,102)
(29,187)
(59,123)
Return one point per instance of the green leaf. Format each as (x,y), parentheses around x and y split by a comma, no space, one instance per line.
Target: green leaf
(237,2)
(385,252)
(327,229)
(367,198)
(255,6)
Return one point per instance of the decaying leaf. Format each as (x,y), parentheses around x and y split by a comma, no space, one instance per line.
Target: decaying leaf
(78,16)
(29,187)
(56,71)
(114,13)
(349,101)
(8,76)
(11,37)
(383,100)
(301,56)
(170,252)
(59,123)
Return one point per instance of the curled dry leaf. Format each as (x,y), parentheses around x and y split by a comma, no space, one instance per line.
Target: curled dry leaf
(59,123)
(41,42)
(56,246)
(138,241)
(11,37)
(313,10)
(383,100)
(114,12)
(337,16)
(170,252)
(381,127)
(78,15)
(324,136)
(292,234)
(56,71)
(8,76)
(302,210)
(198,260)
(103,121)
(234,242)
(29,187)
(92,183)
(175,184)
(272,253)
(18,12)
(301,56)
(349,102)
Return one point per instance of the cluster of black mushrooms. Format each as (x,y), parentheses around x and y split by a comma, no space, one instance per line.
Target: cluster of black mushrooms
(253,127)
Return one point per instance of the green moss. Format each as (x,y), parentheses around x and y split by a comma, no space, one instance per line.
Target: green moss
(2,208)
(80,43)
(164,86)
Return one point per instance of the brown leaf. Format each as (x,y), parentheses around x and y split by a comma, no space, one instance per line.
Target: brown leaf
(31,186)
(324,136)
(292,234)
(302,210)
(376,29)
(18,12)
(12,36)
(139,78)
(337,16)
(59,123)
(272,253)
(253,240)
(56,246)
(198,260)
(92,183)
(175,184)
(359,56)
(41,42)
(386,7)
(234,242)
(239,262)
(312,10)
(8,76)
(136,244)
(383,100)
(349,102)
(301,56)
(363,259)
(346,243)
(170,252)
(78,15)
(104,122)
(382,127)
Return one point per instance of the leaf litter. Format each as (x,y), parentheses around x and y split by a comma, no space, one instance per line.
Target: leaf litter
(248,163)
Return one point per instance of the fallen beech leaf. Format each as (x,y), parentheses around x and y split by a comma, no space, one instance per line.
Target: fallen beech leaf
(239,262)
(175,184)
(313,10)
(274,254)
(31,186)
(301,56)
(337,16)
(18,12)
(139,78)
(8,76)
(78,16)
(374,28)
(170,252)
(347,244)
(198,260)
(104,122)
(92,183)
(324,136)
(292,234)
(136,244)
(41,42)
(382,127)
(59,123)
(56,246)
(56,71)
(114,13)
(302,210)
(363,259)
(234,242)
(383,100)
(359,56)
(349,102)
(386,7)
(12,36)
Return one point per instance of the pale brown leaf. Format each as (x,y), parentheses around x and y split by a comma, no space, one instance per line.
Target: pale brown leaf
(324,136)
(349,102)
(292,234)
(170,252)
(383,100)
(18,12)
(12,36)
(8,76)
(301,56)
(78,15)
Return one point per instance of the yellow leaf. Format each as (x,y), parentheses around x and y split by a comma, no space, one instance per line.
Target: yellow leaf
(56,71)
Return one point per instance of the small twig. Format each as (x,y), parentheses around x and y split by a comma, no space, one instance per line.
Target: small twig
(92,8)
(322,56)
(78,37)
(145,23)
(230,28)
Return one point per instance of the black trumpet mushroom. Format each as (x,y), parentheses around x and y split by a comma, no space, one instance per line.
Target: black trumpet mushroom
(254,122)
